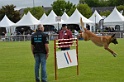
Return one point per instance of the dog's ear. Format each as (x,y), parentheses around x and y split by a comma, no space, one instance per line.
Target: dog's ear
(113,35)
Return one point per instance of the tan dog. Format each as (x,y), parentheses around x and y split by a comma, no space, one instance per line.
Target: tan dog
(99,40)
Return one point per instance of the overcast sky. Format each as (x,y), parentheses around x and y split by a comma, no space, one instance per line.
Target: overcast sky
(29,3)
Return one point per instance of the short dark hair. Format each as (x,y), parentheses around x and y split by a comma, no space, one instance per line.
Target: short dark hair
(63,25)
(38,27)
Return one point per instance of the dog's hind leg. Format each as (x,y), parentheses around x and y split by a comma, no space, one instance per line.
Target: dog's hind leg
(112,52)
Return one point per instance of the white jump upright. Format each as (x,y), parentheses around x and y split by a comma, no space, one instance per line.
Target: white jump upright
(67,58)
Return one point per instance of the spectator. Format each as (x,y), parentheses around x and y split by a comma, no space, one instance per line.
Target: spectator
(65,34)
(75,33)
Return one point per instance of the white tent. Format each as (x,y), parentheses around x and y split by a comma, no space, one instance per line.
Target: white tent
(51,19)
(28,20)
(115,18)
(44,16)
(95,17)
(64,17)
(5,22)
(23,16)
(75,18)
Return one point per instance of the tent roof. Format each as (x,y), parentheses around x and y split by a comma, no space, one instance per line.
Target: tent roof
(75,18)
(44,16)
(5,22)
(115,16)
(51,19)
(95,17)
(64,16)
(28,20)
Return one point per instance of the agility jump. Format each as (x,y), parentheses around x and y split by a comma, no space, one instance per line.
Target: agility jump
(70,58)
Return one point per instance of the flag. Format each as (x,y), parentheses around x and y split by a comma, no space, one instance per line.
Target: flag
(66,58)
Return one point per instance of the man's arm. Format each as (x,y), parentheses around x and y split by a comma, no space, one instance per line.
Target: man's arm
(32,49)
(47,50)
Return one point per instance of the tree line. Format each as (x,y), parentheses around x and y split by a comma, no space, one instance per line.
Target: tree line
(61,6)
(102,3)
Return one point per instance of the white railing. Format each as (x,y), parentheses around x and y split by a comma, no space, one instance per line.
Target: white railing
(16,38)
(51,36)
(117,34)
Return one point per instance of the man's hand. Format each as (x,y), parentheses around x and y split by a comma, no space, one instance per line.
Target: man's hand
(32,49)
(47,50)
(47,55)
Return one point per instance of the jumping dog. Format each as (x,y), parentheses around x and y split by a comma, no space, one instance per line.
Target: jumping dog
(98,40)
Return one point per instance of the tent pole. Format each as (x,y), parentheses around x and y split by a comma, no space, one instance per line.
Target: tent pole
(58,27)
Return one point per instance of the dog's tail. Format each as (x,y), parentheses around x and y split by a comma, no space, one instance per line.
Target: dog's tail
(82,24)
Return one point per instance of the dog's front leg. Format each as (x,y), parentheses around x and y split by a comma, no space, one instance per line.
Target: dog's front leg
(107,48)
(84,36)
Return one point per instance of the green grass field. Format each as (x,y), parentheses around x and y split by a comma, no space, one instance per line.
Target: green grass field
(95,64)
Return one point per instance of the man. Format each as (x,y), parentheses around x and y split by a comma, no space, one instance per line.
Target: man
(65,34)
(40,50)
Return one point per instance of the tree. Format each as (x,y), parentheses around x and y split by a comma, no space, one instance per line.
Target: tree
(105,13)
(71,11)
(121,8)
(112,2)
(120,2)
(103,3)
(48,12)
(81,1)
(35,11)
(116,2)
(92,3)
(70,8)
(85,10)
(12,14)
(61,6)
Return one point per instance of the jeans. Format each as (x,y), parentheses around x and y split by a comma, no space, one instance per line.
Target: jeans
(40,59)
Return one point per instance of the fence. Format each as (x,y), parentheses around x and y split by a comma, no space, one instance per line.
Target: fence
(117,34)
(15,38)
(51,36)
